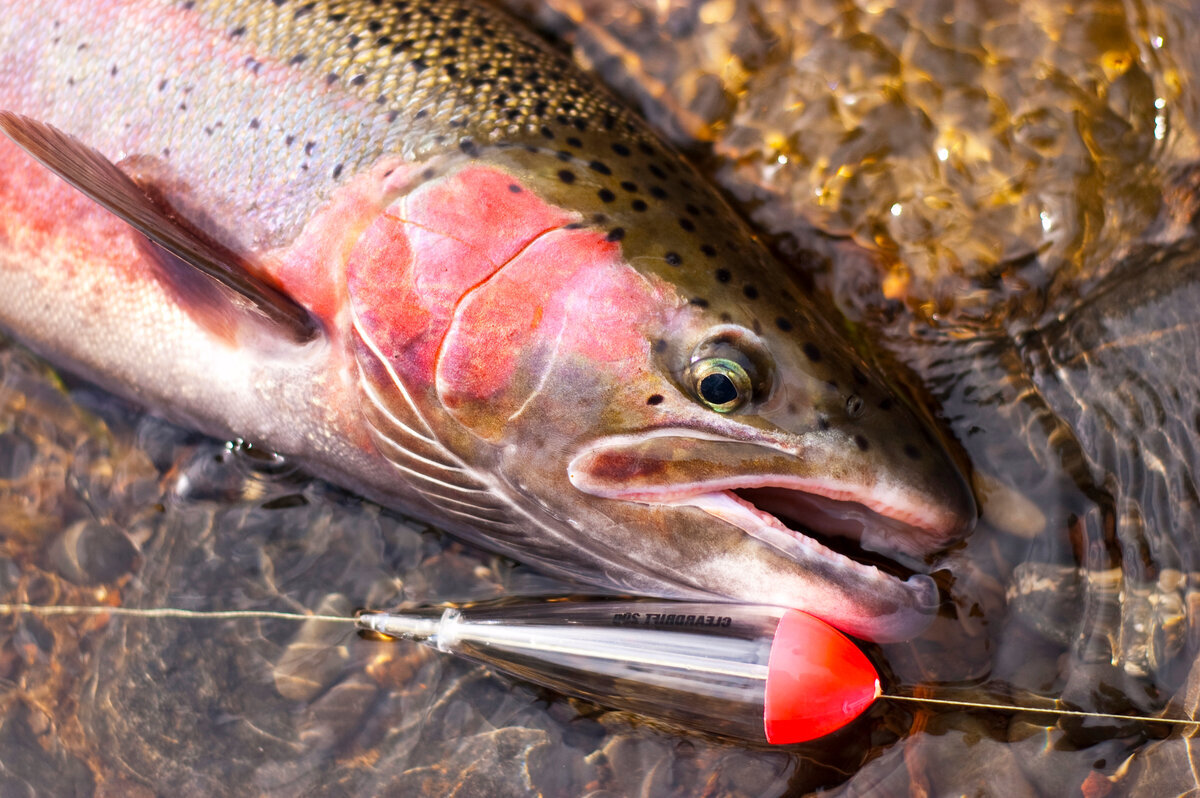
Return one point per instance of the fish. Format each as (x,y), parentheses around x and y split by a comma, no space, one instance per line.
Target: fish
(412,247)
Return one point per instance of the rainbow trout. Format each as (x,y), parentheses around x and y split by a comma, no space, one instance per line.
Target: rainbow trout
(410,246)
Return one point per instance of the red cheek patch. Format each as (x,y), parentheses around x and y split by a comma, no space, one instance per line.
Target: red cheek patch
(414,264)
(568,297)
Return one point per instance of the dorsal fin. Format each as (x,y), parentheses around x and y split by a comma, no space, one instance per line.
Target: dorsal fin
(188,250)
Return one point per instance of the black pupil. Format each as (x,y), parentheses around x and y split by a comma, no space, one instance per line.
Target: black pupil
(717,389)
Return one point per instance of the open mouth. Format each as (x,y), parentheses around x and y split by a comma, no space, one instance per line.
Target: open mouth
(837,538)
(845,527)
(804,526)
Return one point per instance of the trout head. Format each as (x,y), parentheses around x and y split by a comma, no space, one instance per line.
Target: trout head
(689,429)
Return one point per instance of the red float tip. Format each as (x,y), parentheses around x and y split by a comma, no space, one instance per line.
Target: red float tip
(817,681)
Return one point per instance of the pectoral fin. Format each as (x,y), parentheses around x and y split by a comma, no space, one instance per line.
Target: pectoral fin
(190,262)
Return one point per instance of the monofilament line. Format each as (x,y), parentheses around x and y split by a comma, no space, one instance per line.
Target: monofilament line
(165,612)
(1047,710)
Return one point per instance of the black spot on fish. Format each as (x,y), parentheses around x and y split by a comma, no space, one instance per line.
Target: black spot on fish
(336,17)
(822,423)
(723,275)
(574,226)
(574,142)
(638,205)
(616,234)
(254,123)
(337,171)
(629,186)
(660,174)
(162,85)
(331,78)
(673,259)
(655,399)
(289,140)
(912,452)
(886,403)
(309,147)
(660,345)
(418,64)
(452,71)
(859,377)
(597,166)
(563,156)
(606,195)
(783,324)
(699,302)
(811,351)
(686,224)
(547,132)
(298,58)
(450,52)
(239,31)
(374,26)
(383,41)
(750,291)
(566,175)
(113,71)
(709,250)
(620,149)
(358,80)
(514,188)
(657,192)
(861,443)
(304,10)
(691,210)
(646,149)
(468,147)
(352,41)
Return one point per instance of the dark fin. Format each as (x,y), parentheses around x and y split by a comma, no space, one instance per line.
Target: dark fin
(178,248)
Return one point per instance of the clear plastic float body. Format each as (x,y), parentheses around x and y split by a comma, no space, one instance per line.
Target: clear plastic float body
(758,673)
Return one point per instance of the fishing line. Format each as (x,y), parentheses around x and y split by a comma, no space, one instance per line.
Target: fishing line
(165,612)
(211,615)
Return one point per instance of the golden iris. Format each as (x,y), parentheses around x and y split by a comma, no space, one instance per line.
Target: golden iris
(721,383)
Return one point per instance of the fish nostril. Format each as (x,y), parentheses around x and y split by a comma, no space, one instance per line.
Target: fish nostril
(854,405)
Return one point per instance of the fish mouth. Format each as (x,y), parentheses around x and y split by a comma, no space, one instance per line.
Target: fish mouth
(805,527)
(858,550)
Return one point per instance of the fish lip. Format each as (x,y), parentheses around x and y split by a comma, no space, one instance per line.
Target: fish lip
(925,534)
(732,508)
(914,600)
(936,524)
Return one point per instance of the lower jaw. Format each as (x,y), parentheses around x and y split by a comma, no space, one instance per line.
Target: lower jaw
(857,597)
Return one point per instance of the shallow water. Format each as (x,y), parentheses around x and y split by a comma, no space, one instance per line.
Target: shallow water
(821,118)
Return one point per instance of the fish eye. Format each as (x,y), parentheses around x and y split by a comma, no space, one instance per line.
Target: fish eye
(728,370)
(720,383)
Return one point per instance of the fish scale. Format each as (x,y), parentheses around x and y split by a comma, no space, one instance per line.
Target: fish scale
(522,360)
